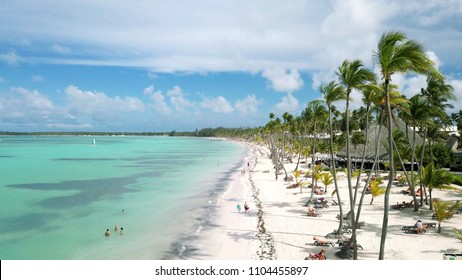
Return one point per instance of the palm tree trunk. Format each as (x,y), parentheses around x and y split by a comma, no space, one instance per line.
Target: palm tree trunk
(391,174)
(407,177)
(363,155)
(421,163)
(334,172)
(363,193)
(349,169)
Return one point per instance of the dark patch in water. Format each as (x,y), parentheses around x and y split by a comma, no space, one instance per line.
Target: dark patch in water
(26,222)
(87,191)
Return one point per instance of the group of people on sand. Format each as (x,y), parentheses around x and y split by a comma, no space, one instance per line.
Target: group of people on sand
(246,207)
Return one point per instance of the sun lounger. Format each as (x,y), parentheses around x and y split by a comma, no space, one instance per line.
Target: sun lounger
(346,243)
(314,214)
(413,229)
(319,241)
(345,217)
(319,256)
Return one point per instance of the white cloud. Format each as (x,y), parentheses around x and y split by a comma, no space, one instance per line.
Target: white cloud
(218,104)
(288,104)
(250,36)
(20,105)
(282,80)
(37,78)
(158,99)
(457,85)
(61,49)
(248,105)
(433,57)
(11,58)
(98,105)
(177,98)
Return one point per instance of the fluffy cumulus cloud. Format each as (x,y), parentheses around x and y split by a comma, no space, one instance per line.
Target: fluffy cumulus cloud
(178,99)
(282,80)
(288,104)
(22,106)
(216,104)
(158,100)
(248,105)
(99,106)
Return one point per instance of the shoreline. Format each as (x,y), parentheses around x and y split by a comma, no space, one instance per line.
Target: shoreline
(282,231)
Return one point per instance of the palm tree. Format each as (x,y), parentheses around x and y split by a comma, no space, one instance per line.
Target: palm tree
(376,190)
(315,113)
(331,93)
(436,178)
(418,115)
(397,54)
(327,179)
(444,210)
(458,233)
(352,75)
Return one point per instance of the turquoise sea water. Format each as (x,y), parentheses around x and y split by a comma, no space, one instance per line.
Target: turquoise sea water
(58,195)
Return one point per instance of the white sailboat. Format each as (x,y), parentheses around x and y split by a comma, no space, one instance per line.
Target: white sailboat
(94,142)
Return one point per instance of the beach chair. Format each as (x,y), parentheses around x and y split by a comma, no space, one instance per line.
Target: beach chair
(348,244)
(433,225)
(335,203)
(320,203)
(413,229)
(314,214)
(319,241)
(345,217)
(319,256)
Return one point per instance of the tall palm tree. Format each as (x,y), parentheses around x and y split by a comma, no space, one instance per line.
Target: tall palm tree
(418,115)
(397,54)
(352,75)
(331,93)
(315,113)
(435,178)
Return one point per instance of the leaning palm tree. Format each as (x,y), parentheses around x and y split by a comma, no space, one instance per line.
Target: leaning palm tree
(397,54)
(444,210)
(331,93)
(376,190)
(435,178)
(352,75)
(458,233)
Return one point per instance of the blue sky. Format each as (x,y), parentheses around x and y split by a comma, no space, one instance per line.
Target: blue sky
(181,65)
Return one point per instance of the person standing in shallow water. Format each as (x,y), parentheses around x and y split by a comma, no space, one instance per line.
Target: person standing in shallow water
(238,207)
(121,231)
(246,207)
(107,233)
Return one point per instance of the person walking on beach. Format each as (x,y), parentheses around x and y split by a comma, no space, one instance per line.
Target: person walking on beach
(246,207)
(238,207)
(107,233)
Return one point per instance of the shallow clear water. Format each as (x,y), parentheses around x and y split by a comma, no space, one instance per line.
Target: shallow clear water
(58,195)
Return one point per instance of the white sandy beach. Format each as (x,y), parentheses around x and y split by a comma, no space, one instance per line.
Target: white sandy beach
(288,232)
